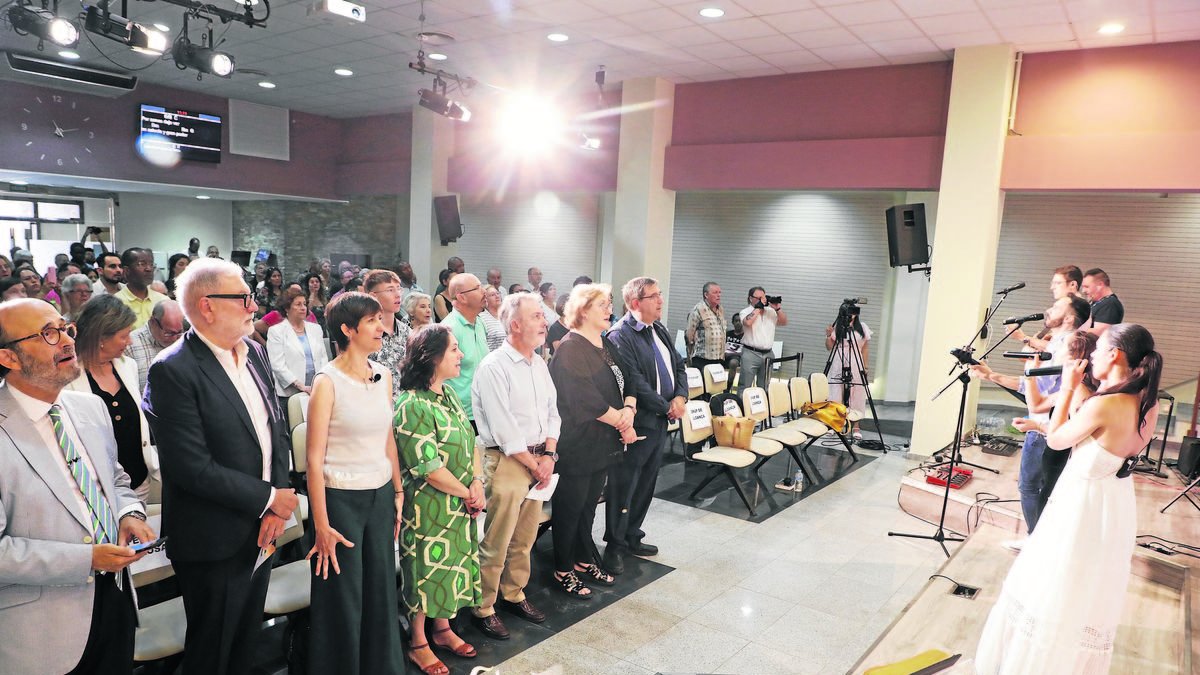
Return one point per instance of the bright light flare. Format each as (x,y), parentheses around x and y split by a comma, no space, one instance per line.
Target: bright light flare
(1112,28)
(158,150)
(530,125)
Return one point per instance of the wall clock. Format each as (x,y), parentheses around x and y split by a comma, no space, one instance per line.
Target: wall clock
(56,130)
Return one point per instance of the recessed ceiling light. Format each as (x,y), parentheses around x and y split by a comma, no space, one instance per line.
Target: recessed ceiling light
(344,72)
(68,54)
(203,197)
(18,182)
(266,85)
(557,37)
(438,57)
(712,12)
(1112,28)
(163,27)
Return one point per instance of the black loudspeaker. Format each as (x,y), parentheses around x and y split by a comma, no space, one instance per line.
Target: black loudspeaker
(1189,456)
(908,243)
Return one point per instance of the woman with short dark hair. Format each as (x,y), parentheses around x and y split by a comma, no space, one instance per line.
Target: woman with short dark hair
(104,326)
(443,494)
(356,496)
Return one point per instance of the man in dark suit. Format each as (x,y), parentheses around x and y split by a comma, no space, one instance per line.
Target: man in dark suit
(223,444)
(661,385)
(67,513)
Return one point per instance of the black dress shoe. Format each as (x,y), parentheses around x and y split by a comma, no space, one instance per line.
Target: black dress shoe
(524,610)
(492,627)
(643,549)
(613,562)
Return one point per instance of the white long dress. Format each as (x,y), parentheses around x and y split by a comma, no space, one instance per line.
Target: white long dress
(858,394)
(1061,603)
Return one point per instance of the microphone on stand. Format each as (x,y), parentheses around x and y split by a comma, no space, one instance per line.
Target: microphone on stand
(1022,319)
(1010,289)
(1040,356)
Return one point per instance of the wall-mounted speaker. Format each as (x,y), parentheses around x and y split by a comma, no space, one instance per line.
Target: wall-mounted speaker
(908,242)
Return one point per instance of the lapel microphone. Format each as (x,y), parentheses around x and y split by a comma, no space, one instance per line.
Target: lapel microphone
(376,377)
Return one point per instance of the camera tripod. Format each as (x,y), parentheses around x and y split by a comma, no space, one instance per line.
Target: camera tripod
(847,351)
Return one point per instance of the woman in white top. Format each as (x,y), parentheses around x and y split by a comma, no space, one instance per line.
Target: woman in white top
(296,349)
(549,299)
(356,496)
(846,360)
(491,317)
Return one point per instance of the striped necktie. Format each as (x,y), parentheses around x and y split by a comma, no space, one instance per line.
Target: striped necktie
(104,525)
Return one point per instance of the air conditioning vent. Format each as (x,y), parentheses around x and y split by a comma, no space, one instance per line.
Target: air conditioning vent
(45,72)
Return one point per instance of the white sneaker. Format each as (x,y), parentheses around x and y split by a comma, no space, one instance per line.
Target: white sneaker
(1014,545)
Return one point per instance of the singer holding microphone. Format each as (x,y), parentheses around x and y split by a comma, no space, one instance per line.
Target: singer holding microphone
(356,497)
(1062,318)
(1064,282)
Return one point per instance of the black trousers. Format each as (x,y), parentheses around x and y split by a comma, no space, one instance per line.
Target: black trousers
(700,362)
(631,488)
(355,621)
(224,608)
(1053,463)
(109,647)
(571,518)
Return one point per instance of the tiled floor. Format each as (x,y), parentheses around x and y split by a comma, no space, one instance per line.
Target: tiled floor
(806,591)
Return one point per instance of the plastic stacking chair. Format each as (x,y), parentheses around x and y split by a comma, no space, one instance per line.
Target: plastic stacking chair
(299,456)
(716,379)
(297,409)
(819,393)
(762,408)
(161,627)
(698,428)
(695,382)
(763,447)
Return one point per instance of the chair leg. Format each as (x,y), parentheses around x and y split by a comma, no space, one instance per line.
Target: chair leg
(704,484)
(849,446)
(758,476)
(804,452)
(741,493)
(803,469)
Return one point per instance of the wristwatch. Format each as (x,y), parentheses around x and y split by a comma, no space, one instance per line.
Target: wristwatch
(477,478)
(136,514)
(552,455)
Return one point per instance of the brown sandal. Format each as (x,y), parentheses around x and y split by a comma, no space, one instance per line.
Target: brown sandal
(464,650)
(435,668)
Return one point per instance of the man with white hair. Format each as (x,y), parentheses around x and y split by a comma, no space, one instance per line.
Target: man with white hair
(516,409)
(223,444)
(165,327)
(75,290)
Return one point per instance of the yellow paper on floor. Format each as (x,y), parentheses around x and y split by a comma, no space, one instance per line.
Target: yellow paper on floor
(910,665)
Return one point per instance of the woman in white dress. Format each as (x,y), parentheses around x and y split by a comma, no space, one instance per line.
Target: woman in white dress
(837,340)
(1061,603)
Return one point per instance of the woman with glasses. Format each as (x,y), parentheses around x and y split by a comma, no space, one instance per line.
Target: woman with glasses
(104,327)
(75,290)
(596,401)
(296,349)
(491,317)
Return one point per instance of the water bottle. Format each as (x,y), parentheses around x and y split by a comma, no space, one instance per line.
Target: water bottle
(798,481)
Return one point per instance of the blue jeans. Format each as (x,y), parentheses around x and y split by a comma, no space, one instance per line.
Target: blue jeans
(1029,480)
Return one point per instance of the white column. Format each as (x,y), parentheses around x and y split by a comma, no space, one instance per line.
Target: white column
(904,316)
(964,246)
(432,146)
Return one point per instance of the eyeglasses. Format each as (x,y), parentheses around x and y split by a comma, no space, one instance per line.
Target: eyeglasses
(653,296)
(51,334)
(472,290)
(246,298)
(165,332)
(145,264)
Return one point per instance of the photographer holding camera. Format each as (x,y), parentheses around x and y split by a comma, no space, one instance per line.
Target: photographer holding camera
(759,321)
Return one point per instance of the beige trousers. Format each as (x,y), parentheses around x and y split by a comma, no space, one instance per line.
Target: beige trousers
(508,532)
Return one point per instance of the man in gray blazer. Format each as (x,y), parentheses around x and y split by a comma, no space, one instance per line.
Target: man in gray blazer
(67,513)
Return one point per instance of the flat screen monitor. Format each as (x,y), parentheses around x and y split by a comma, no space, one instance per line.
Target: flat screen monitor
(445,209)
(193,135)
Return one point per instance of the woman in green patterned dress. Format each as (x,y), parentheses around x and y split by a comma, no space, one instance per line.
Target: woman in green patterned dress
(443,492)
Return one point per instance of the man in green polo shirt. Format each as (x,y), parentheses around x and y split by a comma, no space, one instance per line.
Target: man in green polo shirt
(466,294)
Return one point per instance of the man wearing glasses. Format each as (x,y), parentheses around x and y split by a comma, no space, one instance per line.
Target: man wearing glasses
(69,515)
(165,327)
(223,446)
(466,294)
(661,385)
(137,265)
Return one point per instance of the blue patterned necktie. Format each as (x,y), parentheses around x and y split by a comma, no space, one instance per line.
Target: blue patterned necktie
(665,385)
(104,525)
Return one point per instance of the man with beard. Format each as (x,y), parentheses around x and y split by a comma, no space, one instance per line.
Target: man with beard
(111,275)
(68,516)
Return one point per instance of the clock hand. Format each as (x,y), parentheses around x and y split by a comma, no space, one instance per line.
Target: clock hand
(66,130)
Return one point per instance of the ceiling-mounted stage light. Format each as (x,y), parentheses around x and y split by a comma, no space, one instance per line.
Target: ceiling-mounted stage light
(443,106)
(202,59)
(104,23)
(43,23)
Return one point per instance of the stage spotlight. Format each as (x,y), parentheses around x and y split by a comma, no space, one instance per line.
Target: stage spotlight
(531,125)
(26,19)
(443,106)
(119,29)
(202,59)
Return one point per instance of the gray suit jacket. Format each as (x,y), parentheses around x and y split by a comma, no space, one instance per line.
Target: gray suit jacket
(46,587)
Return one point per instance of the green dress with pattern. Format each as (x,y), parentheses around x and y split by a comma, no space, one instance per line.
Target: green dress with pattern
(439,548)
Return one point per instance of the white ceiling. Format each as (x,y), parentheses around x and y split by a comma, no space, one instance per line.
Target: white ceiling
(503,42)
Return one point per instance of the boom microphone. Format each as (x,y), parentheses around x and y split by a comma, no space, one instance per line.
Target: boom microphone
(1010,289)
(1040,372)
(1022,319)
(1040,356)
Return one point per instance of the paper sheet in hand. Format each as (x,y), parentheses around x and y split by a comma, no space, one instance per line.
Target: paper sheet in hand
(543,494)
(264,554)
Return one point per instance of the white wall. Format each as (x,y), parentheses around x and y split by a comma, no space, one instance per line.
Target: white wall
(164,224)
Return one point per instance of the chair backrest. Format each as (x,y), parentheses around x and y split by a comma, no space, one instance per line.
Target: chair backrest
(754,403)
(297,409)
(292,531)
(300,448)
(697,422)
(695,382)
(798,387)
(820,387)
(779,399)
(680,345)
(725,405)
(155,566)
(716,378)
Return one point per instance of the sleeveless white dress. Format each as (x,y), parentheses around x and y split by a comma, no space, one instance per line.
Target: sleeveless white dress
(1061,603)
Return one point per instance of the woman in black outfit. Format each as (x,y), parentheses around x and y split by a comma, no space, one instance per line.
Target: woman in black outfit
(596,402)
